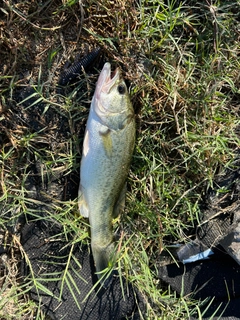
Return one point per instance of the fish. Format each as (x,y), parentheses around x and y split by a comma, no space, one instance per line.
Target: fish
(108,147)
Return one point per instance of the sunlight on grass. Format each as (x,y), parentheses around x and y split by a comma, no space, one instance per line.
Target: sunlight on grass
(182,63)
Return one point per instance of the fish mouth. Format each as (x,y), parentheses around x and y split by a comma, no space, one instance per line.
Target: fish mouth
(106,79)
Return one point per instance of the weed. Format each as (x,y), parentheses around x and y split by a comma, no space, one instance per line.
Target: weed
(182,62)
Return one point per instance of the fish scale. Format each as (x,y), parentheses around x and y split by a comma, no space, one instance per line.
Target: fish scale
(107,151)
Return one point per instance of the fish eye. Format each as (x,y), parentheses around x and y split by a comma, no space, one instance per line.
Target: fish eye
(121,89)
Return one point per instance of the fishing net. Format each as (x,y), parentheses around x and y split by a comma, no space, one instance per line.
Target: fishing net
(67,286)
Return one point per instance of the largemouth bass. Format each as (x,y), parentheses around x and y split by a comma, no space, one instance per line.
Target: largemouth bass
(107,151)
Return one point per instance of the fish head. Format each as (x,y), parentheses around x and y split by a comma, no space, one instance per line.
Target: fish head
(111,98)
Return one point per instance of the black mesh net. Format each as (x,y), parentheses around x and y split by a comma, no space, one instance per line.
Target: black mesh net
(65,282)
(71,280)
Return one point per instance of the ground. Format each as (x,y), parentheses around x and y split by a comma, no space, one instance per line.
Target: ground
(181,61)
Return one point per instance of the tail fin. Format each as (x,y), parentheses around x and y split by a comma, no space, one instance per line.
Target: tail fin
(104,261)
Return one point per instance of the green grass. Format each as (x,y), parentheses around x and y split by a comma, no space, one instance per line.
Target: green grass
(181,60)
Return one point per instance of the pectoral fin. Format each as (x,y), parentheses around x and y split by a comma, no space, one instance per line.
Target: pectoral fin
(86,143)
(107,142)
(82,204)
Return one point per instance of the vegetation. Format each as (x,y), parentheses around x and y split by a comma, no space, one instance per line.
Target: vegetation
(181,61)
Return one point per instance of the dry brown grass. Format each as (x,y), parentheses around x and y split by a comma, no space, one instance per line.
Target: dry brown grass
(182,65)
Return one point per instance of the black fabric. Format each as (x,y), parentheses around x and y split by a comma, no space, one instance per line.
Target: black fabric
(217,277)
(215,281)
(49,255)
(211,232)
(220,206)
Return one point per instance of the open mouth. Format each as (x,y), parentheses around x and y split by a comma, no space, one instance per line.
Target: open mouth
(113,73)
(107,79)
